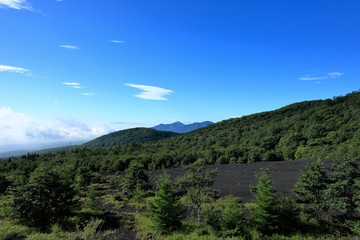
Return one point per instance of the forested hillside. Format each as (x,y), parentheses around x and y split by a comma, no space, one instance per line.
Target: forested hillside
(134,135)
(105,192)
(307,130)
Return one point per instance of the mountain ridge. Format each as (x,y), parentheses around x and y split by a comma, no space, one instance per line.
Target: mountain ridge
(180,127)
(127,136)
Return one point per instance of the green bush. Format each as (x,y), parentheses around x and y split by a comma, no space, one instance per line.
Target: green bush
(46,199)
(9,230)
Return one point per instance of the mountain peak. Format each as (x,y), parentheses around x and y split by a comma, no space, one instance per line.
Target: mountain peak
(180,127)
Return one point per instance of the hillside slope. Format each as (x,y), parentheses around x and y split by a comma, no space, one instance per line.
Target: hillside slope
(321,129)
(133,135)
(310,129)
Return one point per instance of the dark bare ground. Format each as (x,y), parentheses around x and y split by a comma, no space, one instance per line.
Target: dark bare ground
(231,179)
(236,179)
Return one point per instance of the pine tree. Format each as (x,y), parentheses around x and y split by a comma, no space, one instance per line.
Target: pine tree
(164,209)
(231,218)
(134,177)
(341,193)
(264,212)
(310,189)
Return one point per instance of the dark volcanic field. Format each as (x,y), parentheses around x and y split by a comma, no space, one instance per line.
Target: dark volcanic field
(236,179)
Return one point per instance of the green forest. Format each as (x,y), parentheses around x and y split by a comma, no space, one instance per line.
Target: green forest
(102,189)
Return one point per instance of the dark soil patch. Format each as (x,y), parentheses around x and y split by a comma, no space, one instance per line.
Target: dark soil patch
(236,179)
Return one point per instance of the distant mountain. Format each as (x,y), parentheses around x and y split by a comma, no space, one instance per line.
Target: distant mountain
(133,135)
(179,127)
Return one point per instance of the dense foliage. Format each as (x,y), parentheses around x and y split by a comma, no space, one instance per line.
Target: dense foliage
(47,198)
(264,214)
(313,129)
(165,210)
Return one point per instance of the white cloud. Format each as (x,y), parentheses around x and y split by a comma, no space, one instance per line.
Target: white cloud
(151,92)
(20,128)
(311,77)
(16,4)
(89,94)
(72,84)
(5,68)
(335,74)
(117,41)
(69,47)
(77,85)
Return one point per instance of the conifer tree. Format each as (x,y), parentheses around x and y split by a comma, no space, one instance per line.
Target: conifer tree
(310,189)
(342,191)
(164,209)
(134,177)
(264,212)
(231,218)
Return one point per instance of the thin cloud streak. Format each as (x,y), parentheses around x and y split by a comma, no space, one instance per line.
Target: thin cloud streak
(5,68)
(117,41)
(69,47)
(72,84)
(329,75)
(150,92)
(16,4)
(88,94)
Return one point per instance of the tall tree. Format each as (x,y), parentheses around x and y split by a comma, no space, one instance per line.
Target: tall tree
(165,210)
(342,191)
(264,214)
(310,189)
(231,218)
(197,184)
(46,199)
(134,177)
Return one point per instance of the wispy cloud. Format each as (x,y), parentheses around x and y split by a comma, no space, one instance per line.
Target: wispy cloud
(335,74)
(16,4)
(77,85)
(69,47)
(311,77)
(72,84)
(151,92)
(5,68)
(88,94)
(117,41)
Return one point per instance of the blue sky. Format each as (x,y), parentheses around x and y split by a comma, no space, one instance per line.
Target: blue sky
(72,70)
